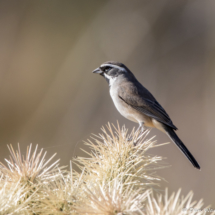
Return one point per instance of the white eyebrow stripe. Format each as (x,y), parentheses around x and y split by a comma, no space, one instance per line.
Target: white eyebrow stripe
(115,66)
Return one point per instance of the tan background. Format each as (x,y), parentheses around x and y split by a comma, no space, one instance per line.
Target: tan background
(49,96)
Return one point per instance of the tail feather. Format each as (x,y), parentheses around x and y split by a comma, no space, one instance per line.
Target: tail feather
(173,136)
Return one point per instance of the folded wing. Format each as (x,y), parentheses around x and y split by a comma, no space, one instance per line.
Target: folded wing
(143,101)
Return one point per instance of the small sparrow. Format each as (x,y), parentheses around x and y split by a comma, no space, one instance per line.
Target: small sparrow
(136,103)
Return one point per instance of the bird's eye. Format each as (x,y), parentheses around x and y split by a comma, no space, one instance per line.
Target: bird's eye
(107,69)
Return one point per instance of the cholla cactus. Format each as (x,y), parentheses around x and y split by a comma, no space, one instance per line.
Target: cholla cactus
(59,196)
(114,153)
(112,198)
(22,178)
(32,168)
(175,205)
(118,177)
(13,199)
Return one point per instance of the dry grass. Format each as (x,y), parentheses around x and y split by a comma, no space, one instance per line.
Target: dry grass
(117,176)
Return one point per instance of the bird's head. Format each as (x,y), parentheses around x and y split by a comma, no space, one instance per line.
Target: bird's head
(112,71)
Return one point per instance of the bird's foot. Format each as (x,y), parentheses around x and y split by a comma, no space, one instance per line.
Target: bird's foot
(143,129)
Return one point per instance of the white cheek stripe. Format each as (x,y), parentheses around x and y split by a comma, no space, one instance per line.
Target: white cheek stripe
(114,66)
(110,78)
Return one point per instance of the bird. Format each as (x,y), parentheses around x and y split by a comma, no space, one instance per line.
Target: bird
(136,103)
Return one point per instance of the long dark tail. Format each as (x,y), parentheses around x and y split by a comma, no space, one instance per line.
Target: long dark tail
(173,136)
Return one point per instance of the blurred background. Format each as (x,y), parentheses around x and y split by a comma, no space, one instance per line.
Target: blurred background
(49,95)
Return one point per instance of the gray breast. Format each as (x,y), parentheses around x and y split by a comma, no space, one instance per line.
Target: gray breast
(124,109)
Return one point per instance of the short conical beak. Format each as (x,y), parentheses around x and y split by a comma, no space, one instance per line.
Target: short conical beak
(98,71)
